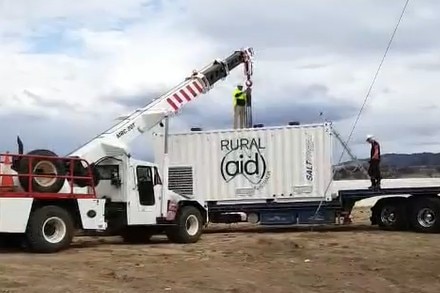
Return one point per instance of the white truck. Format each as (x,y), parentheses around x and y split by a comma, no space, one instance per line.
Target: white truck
(99,187)
(282,176)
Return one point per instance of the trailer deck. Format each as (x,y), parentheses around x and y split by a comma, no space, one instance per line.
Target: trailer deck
(417,208)
(360,194)
(349,195)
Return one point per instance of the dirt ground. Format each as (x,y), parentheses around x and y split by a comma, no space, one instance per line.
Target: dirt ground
(358,258)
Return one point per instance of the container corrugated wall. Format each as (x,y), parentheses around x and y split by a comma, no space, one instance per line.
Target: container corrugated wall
(286,163)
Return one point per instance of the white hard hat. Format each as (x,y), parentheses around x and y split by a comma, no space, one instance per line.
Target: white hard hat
(369,136)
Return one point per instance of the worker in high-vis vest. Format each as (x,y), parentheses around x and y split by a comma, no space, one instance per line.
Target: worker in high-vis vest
(239,97)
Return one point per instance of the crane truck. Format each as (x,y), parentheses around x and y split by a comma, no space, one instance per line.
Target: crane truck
(100,187)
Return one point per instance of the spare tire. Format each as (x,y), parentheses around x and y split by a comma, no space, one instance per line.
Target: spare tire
(42,166)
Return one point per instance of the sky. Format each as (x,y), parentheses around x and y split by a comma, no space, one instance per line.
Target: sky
(69,69)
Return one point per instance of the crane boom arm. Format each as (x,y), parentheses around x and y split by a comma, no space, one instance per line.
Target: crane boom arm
(115,140)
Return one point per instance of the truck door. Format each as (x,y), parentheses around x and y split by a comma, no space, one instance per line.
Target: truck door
(141,206)
(144,191)
(145,185)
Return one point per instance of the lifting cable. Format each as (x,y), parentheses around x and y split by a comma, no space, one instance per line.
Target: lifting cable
(366,98)
(374,78)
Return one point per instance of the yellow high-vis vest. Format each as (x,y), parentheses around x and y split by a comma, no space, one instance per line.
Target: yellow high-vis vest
(239,97)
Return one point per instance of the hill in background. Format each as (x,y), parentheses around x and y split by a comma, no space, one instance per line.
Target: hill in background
(395,166)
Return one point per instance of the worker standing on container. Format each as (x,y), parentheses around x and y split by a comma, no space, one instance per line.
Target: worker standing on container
(374,168)
(239,100)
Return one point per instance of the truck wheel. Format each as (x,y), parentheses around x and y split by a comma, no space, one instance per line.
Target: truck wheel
(42,166)
(50,229)
(391,215)
(188,228)
(136,235)
(424,215)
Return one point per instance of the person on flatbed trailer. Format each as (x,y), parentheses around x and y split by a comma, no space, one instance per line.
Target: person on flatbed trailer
(374,168)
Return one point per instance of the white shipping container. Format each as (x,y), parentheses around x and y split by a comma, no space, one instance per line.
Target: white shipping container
(286,163)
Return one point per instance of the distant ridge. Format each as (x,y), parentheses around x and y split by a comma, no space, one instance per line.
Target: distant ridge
(396,165)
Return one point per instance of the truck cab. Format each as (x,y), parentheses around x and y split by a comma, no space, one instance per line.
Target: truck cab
(135,184)
(135,196)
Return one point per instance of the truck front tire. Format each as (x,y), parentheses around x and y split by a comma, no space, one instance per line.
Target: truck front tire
(189,226)
(50,229)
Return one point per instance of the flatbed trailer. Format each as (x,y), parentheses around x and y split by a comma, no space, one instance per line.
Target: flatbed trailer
(405,208)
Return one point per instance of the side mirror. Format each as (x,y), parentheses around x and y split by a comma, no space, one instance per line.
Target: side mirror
(115,180)
(157,180)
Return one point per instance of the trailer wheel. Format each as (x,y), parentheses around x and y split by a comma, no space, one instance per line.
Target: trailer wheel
(50,229)
(391,215)
(42,166)
(424,215)
(136,234)
(188,228)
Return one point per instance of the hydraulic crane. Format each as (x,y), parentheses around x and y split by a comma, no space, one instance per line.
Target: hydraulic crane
(115,141)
